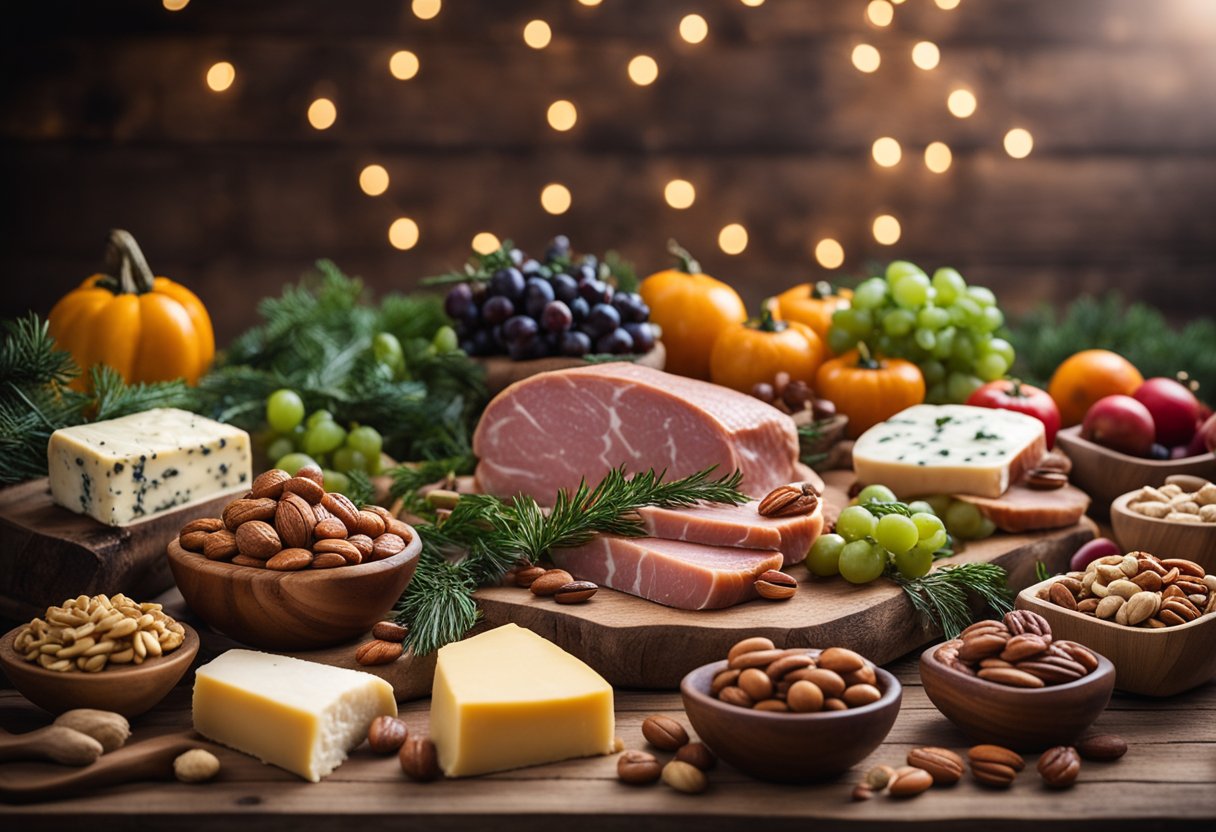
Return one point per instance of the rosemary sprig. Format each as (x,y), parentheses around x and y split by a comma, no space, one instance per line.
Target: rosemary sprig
(941,596)
(880,508)
(489,536)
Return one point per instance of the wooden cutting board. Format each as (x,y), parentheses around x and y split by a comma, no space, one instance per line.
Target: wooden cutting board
(48,554)
(638,644)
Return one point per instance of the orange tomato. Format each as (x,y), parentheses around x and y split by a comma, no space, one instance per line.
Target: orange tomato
(692,309)
(813,304)
(1088,376)
(869,390)
(752,352)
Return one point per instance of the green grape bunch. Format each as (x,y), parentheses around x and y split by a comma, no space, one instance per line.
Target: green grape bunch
(947,328)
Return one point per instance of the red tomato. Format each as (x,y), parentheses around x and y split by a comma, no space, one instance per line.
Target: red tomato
(1011,394)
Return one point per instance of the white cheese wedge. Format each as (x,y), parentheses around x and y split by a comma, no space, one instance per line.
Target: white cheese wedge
(509,698)
(298,715)
(949,449)
(124,470)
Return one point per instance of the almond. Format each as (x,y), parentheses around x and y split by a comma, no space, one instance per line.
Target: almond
(550,582)
(377,652)
(909,781)
(203,524)
(193,541)
(242,511)
(943,765)
(313,473)
(340,506)
(389,631)
(270,484)
(387,545)
(220,545)
(290,560)
(258,539)
(328,560)
(245,560)
(1102,747)
(294,521)
(363,543)
(345,548)
(307,488)
(397,527)
(331,529)
(370,524)
(840,660)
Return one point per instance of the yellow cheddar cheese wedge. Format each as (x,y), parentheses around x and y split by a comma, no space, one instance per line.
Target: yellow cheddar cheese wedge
(509,698)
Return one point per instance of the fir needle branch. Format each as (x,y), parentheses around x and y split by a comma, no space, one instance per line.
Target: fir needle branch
(941,596)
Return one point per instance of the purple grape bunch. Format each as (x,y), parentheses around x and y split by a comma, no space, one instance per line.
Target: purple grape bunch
(556,307)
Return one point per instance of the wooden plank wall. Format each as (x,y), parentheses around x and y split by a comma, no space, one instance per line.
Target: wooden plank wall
(105,121)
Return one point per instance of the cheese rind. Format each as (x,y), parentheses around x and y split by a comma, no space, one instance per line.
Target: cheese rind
(124,470)
(508,698)
(949,449)
(301,716)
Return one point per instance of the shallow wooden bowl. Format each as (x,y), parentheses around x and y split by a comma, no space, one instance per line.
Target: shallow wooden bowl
(129,689)
(789,747)
(292,610)
(1164,538)
(502,372)
(1024,719)
(1105,474)
(1148,662)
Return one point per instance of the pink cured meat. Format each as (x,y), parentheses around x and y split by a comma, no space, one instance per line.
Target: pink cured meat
(551,430)
(687,576)
(719,524)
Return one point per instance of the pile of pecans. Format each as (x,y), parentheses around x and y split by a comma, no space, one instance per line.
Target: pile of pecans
(685,773)
(1137,590)
(1017,651)
(1173,503)
(766,678)
(288,523)
(90,634)
(557,584)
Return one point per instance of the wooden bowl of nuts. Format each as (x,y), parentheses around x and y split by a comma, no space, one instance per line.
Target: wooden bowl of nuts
(1104,474)
(123,663)
(801,733)
(1163,658)
(1147,520)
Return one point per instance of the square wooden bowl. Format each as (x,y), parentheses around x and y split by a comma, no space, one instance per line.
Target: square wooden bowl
(1160,662)
(1136,532)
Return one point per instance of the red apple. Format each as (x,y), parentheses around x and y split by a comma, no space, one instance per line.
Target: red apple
(1120,423)
(1205,437)
(1174,408)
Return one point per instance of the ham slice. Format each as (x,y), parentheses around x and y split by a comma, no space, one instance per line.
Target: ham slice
(687,576)
(1023,509)
(718,524)
(552,430)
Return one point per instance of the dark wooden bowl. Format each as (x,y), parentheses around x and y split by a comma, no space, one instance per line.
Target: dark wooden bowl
(1139,533)
(789,747)
(292,610)
(130,689)
(1024,719)
(1105,474)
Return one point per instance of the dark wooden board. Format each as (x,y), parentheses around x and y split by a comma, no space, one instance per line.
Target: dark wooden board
(639,644)
(48,554)
(502,372)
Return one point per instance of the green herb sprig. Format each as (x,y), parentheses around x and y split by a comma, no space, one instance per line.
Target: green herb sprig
(942,595)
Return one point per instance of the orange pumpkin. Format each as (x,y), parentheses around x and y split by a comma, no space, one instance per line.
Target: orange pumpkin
(749,353)
(869,390)
(1088,376)
(692,309)
(146,328)
(813,304)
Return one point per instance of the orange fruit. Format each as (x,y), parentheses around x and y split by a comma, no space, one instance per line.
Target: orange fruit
(1088,376)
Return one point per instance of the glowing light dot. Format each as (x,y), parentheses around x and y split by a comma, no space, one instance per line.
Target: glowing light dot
(322,114)
(866,57)
(175,5)
(591,2)
(680,193)
(373,180)
(693,28)
(1019,143)
(403,234)
(220,76)
(829,253)
(484,242)
(947,5)
(886,229)
(752,3)
(562,115)
(880,12)
(887,152)
(643,70)
(537,34)
(898,2)
(555,198)
(961,103)
(938,157)
(732,239)
(426,9)
(926,55)
(403,65)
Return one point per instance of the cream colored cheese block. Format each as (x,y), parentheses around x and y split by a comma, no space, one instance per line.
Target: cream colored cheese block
(509,698)
(949,449)
(124,470)
(301,716)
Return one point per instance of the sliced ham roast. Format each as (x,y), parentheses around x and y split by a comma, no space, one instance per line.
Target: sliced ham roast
(1023,509)
(686,576)
(552,430)
(718,524)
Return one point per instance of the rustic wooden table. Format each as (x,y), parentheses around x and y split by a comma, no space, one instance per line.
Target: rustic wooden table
(1167,780)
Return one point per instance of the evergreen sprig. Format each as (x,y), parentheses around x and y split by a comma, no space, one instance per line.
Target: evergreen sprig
(942,595)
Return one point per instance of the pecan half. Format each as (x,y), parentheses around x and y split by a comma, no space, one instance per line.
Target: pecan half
(789,501)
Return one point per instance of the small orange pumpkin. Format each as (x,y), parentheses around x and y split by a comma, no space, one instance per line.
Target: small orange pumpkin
(813,304)
(146,328)
(756,351)
(869,390)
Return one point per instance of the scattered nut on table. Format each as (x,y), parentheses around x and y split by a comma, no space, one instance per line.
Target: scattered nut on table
(196,766)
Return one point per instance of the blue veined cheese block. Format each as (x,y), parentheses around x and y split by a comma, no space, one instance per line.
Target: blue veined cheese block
(124,470)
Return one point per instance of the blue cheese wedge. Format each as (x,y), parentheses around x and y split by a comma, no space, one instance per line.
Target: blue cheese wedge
(125,470)
(949,449)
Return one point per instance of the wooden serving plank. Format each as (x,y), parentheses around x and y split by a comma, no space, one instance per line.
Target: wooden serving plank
(635,643)
(48,554)
(502,372)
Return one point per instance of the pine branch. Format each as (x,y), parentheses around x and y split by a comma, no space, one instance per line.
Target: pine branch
(941,597)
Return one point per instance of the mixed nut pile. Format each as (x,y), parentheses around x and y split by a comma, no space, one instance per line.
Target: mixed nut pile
(1173,503)
(91,634)
(765,678)
(1017,651)
(686,772)
(288,523)
(1137,590)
